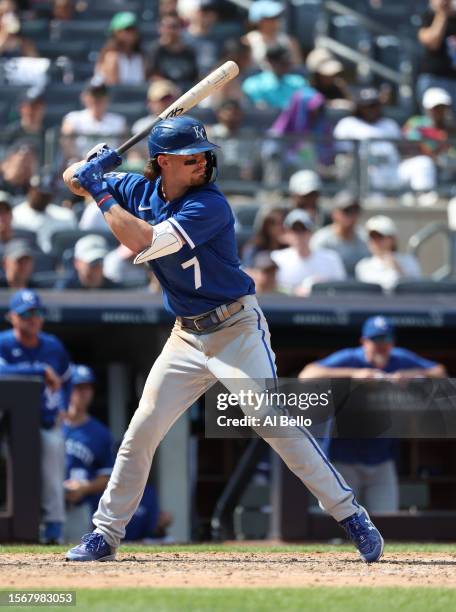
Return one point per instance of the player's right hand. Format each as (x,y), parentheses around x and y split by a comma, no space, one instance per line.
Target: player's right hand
(90,177)
(107,158)
(52,379)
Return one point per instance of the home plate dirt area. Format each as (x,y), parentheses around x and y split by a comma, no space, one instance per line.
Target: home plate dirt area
(228,569)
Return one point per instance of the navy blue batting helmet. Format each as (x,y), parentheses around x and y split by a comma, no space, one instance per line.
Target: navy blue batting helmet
(179,136)
(183,136)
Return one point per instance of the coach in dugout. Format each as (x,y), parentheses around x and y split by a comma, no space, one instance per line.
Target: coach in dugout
(25,350)
(88,453)
(368,464)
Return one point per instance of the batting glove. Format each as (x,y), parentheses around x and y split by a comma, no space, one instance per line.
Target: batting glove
(90,176)
(107,157)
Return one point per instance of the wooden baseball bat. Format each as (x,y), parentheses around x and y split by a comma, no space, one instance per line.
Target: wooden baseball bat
(212,82)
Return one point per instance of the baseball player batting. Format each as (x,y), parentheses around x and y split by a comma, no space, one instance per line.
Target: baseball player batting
(176,218)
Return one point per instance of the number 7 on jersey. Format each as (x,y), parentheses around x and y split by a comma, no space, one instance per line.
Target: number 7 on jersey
(194,262)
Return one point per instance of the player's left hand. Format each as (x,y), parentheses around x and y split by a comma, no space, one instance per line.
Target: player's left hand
(90,176)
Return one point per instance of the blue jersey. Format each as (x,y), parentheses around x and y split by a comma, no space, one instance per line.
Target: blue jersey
(143,523)
(88,453)
(375,451)
(205,272)
(15,358)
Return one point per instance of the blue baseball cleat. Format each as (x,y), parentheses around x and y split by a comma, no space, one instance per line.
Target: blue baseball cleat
(365,536)
(93,547)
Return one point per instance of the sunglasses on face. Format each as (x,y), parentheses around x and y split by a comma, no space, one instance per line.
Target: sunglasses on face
(33,312)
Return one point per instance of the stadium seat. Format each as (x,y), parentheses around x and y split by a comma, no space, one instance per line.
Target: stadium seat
(63,93)
(26,235)
(66,239)
(129,93)
(425,287)
(130,110)
(245,214)
(36,29)
(80,30)
(345,286)
(44,262)
(302,19)
(74,49)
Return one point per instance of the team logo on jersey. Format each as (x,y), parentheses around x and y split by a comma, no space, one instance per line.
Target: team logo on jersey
(200,132)
(117,175)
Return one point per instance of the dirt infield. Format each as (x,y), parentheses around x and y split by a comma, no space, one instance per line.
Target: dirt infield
(228,569)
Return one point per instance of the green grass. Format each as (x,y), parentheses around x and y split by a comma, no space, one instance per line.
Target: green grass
(266,600)
(239,547)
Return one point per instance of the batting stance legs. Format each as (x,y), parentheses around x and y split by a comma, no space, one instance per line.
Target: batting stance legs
(188,365)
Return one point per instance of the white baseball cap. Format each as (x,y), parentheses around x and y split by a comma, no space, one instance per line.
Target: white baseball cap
(304,182)
(91,248)
(436,96)
(382,225)
(330,67)
(299,216)
(317,57)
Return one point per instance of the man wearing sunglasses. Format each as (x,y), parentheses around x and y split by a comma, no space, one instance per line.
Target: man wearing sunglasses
(27,351)
(343,234)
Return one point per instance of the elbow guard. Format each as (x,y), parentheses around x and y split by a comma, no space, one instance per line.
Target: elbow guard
(166,241)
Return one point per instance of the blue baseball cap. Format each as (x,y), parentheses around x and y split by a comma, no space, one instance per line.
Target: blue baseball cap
(82,374)
(25,300)
(376,328)
(265,9)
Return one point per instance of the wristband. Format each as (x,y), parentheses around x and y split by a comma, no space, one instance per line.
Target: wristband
(105,201)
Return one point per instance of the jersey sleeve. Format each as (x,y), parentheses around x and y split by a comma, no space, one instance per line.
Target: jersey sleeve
(127,188)
(201,219)
(410,360)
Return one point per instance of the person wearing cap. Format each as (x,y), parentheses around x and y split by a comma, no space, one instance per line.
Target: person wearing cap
(266,19)
(89,454)
(385,266)
(343,235)
(304,187)
(39,214)
(30,125)
(18,265)
(19,164)
(369,464)
(85,127)
(171,57)
(121,60)
(326,76)
(89,254)
(119,268)
(438,60)
(25,350)
(275,85)
(299,267)
(160,95)
(386,169)
(432,131)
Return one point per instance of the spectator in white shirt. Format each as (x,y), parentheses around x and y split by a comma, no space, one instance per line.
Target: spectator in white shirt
(386,266)
(38,214)
(386,170)
(86,126)
(299,267)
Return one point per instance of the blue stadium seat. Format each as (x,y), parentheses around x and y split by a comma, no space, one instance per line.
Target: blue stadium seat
(130,110)
(302,19)
(62,93)
(129,93)
(36,29)
(66,239)
(245,214)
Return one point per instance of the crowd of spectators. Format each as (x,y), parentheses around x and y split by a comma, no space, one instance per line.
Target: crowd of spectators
(293,108)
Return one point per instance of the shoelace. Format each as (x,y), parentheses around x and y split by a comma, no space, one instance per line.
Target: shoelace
(93,541)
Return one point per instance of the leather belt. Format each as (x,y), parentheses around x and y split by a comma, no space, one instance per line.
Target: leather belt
(212,318)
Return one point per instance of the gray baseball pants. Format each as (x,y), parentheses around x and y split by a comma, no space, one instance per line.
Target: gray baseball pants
(188,366)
